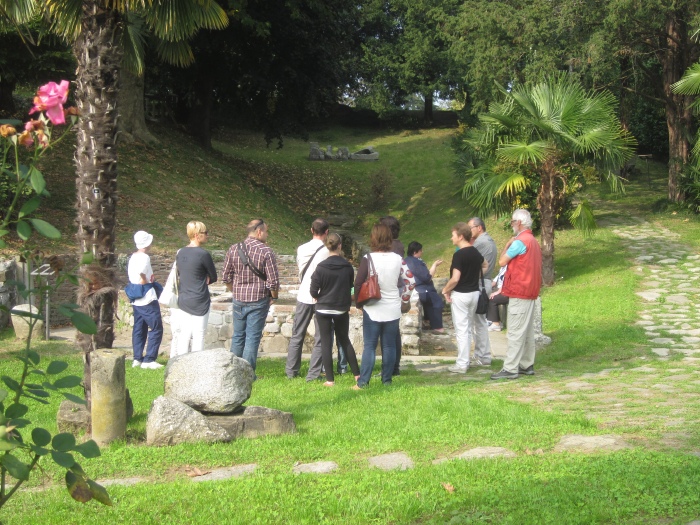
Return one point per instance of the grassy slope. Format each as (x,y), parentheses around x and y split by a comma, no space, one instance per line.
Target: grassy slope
(162,188)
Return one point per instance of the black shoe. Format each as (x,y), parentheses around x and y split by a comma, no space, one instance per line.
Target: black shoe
(342,371)
(529,371)
(504,374)
(396,373)
(317,378)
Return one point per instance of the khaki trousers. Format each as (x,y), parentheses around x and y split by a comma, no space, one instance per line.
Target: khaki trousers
(521,334)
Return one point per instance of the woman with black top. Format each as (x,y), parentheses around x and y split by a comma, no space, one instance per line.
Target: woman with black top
(330,286)
(196,272)
(462,292)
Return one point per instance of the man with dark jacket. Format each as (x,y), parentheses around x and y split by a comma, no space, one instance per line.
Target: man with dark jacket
(522,285)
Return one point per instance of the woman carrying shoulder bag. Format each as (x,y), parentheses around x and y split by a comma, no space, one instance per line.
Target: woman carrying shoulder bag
(380,317)
(331,284)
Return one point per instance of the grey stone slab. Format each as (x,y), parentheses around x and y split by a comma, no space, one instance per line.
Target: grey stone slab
(661,352)
(486,452)
(663,340)
(319,467)
(677,299)
(691,339)
(579,385)
(649,296)
(579,443)
(220,474)
(393,461)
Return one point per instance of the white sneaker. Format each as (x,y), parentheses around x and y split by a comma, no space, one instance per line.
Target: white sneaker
(152,365)
(478,362)
(457,369)
(136,364)
(495,328)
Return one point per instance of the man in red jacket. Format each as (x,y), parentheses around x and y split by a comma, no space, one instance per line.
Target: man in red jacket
(522,284)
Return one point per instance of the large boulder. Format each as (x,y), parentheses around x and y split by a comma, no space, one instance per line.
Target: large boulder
(171,422)
(21,322)
(213,381)
(252,422)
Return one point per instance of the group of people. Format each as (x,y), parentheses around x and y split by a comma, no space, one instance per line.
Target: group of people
(325,296)
(327,280)
(472,266)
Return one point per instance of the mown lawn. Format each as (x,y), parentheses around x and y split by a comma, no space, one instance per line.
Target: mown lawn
(589,314)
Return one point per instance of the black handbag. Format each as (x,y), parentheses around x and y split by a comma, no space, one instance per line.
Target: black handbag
(482,305)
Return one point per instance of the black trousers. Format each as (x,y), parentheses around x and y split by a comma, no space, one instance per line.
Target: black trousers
(340,324)
(492,314)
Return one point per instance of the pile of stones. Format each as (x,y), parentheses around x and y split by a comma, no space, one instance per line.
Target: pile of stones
(203,402)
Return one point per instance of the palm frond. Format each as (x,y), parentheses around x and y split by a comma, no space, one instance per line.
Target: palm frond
(690,83)
(175,20)
(175,53)
(18,11)
(133,44)
(582,219)
(524,152)
(65,17)
(489,192)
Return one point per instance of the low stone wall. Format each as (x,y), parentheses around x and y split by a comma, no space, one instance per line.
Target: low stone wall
(280,321)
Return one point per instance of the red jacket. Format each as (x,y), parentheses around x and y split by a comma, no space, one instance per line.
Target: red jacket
(524,275)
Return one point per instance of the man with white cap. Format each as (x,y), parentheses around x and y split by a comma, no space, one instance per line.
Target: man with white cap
(146,308)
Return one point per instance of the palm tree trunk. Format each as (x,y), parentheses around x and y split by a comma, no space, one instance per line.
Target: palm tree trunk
(547,199)
(98,55)
(675,60)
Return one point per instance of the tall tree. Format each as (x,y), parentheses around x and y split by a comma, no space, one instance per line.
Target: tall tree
(280,65)
(654,36)
(547,130)
(406,51)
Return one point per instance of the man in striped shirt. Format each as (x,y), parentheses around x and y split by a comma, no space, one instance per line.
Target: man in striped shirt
(250,272)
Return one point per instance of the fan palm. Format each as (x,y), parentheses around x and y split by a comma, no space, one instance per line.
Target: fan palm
(543,130)
(690,85)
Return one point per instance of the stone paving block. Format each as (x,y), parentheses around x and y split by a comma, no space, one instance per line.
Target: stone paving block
(320,467)
(579,443)
(393,461)
(579,385)
(220,474)
(486,452)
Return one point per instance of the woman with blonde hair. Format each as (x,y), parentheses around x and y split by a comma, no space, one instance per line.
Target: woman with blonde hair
(331,283)
(380,317)
(196,272)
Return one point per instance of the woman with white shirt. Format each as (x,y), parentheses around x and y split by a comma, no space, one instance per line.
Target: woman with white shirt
(380,317)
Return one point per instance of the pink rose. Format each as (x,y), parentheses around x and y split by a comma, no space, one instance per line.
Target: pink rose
(50,98)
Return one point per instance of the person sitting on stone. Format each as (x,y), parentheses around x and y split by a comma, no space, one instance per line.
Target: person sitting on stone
(497,298)
(428,295)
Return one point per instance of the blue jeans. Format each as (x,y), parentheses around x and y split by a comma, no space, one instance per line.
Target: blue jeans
(145,317)
(248,324)
(371,332)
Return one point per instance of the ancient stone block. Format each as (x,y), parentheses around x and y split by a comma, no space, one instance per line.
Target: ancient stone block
(252,422)
(210,381)
(171,422)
